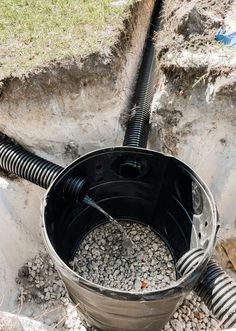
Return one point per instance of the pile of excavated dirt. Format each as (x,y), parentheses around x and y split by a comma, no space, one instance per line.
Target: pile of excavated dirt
(188,31)
(189,56)
(187,50)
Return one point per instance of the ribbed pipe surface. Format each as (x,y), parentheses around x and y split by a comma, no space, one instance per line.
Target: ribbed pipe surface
(138,126)
(217,289)
(15,159)
(26,165)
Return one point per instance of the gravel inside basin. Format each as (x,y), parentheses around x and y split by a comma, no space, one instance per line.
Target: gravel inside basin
(102,258)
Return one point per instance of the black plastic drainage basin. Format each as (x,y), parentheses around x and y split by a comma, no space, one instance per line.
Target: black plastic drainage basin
(160,191)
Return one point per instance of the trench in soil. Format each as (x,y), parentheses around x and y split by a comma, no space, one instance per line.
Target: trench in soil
(63,113)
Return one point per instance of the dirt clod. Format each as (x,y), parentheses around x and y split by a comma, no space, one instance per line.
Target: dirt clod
(190,21)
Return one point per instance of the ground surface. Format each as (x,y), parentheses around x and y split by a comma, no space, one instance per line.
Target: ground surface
(34,34)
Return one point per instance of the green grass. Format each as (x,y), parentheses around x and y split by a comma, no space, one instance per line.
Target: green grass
(36,32)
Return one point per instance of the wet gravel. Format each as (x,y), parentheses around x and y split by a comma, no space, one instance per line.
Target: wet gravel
(104,258)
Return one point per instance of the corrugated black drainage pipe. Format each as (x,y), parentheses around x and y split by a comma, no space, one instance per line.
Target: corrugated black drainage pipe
(216,288)
(138,126)
(15,159)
